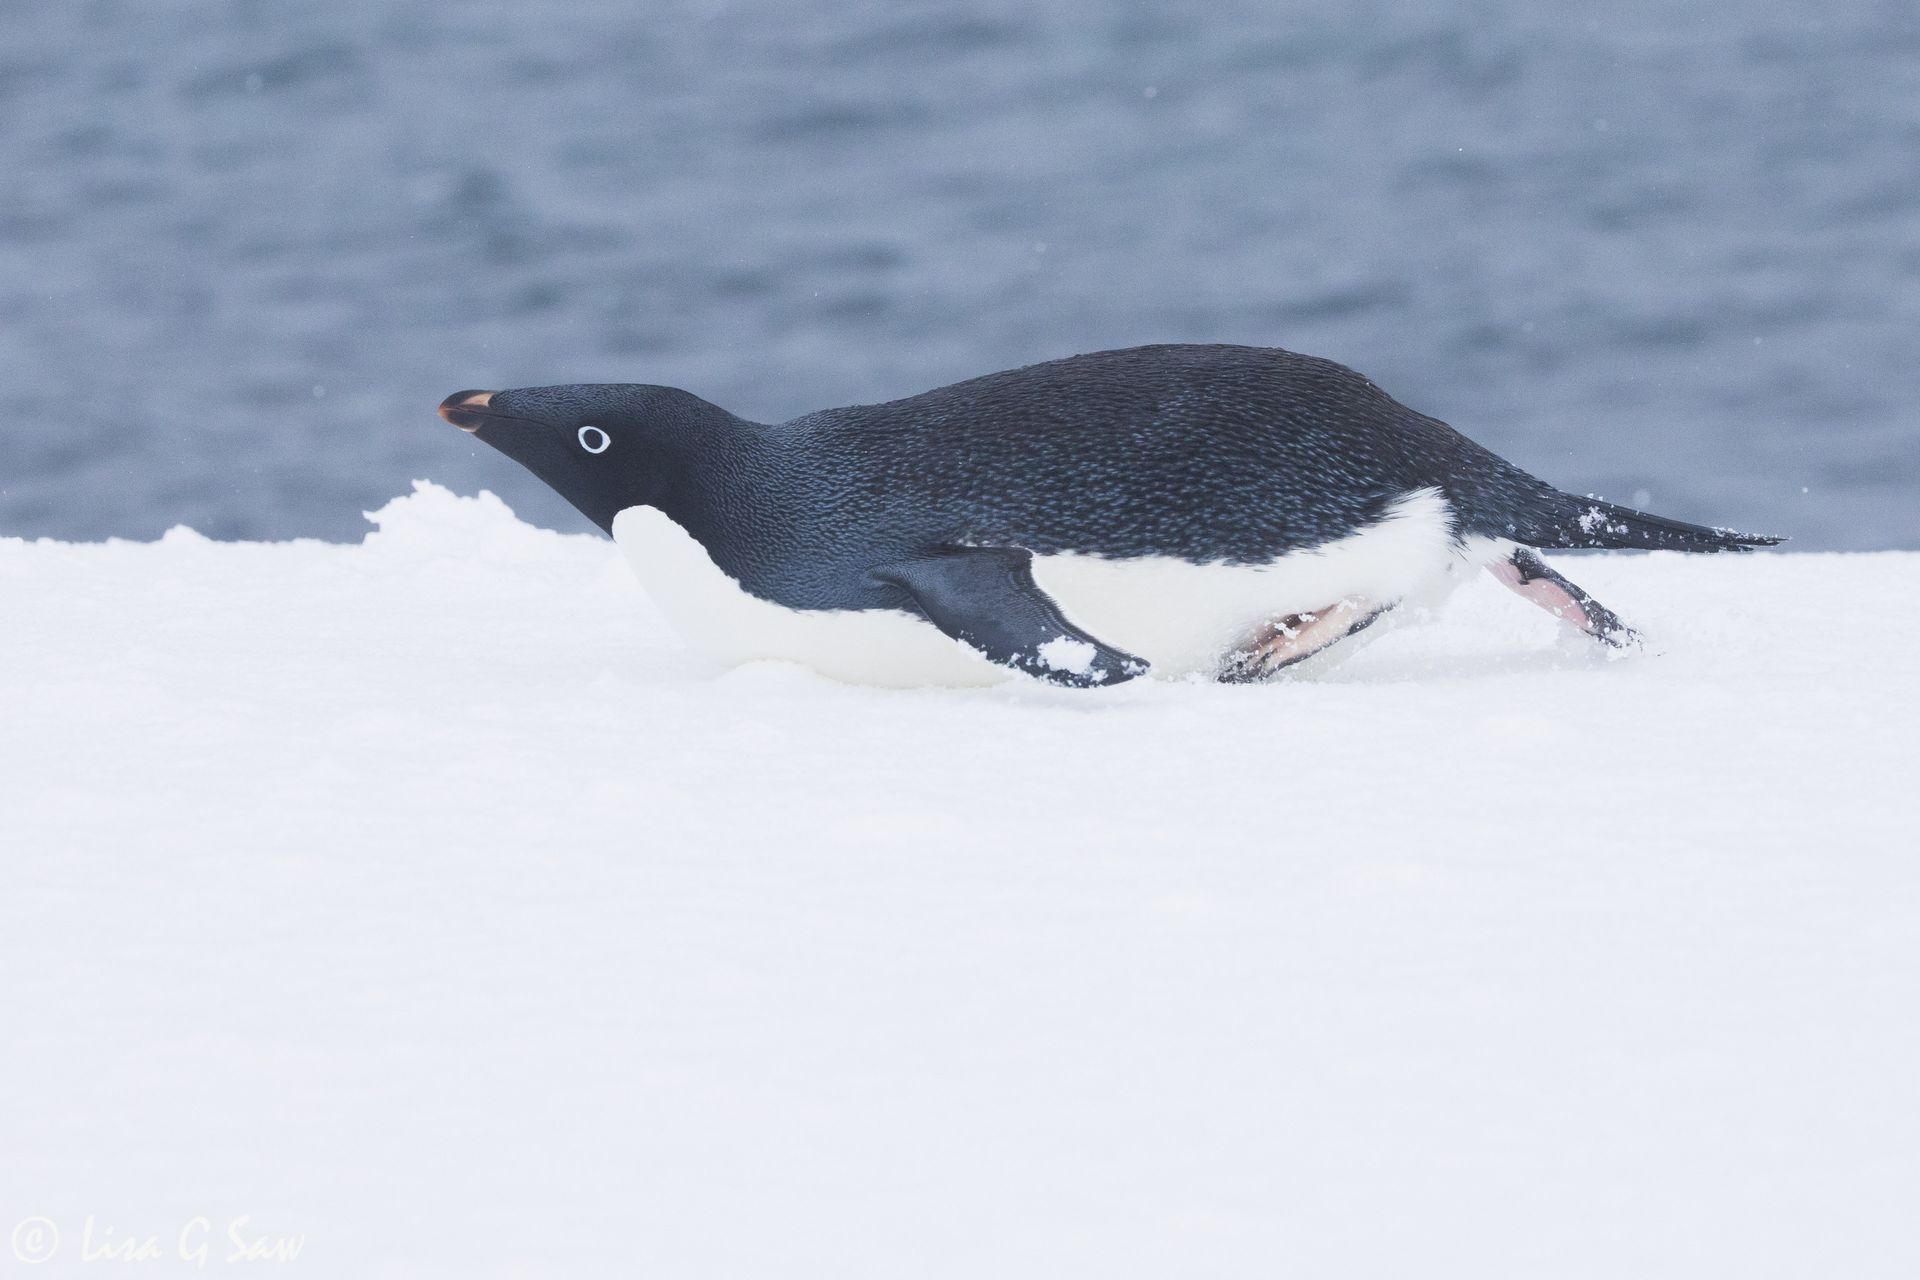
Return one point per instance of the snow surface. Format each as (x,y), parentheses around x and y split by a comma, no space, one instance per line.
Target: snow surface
(424,900)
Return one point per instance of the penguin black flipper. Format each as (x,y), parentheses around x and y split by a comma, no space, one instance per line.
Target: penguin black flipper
(986,598)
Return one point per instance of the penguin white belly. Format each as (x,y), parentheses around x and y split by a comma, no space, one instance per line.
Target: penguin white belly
(716,615)
(1184,617)
(1179,616)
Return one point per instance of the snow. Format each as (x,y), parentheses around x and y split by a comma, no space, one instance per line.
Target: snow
(423,900)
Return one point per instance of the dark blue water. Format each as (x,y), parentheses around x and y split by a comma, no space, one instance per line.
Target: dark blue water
(1669,253)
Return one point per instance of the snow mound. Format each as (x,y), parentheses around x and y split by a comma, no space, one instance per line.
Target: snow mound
(434,523)
(426,899)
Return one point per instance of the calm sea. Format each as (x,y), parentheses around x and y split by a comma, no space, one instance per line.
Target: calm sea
(1664,252)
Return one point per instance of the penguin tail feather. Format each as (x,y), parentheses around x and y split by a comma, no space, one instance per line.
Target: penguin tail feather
(1570,522)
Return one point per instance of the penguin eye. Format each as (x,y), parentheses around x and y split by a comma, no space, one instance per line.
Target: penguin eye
(594,440)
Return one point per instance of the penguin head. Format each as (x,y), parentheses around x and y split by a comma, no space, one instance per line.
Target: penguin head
(603,447)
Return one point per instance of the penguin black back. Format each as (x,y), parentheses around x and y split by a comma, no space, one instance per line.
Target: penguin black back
(1207,453)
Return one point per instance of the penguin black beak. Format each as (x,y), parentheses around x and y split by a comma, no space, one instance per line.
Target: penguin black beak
(466,409)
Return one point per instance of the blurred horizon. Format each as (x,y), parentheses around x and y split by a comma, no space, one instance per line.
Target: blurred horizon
(1666,254)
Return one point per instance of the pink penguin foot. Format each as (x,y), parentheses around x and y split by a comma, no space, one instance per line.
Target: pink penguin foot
(1295,638)
(1530,576)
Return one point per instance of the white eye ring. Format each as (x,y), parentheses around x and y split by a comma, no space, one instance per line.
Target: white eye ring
(594,440)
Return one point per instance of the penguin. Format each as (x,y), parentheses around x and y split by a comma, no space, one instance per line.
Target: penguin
(1220,511)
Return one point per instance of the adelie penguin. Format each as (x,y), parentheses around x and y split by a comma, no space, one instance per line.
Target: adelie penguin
(1223,510)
